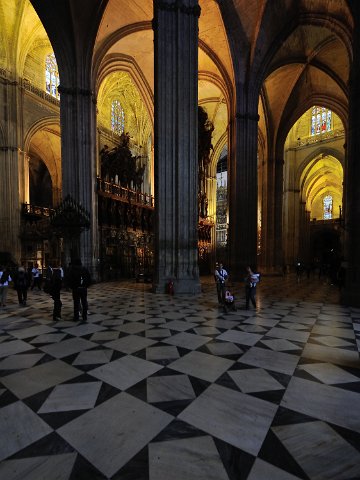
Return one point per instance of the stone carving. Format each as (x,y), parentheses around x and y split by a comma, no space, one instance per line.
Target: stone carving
(120,162)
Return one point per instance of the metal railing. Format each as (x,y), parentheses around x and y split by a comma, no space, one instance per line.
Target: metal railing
(28,209)
(311,140)
(125,194)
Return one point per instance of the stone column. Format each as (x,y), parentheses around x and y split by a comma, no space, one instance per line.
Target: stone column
(211,193)
(243,196)
(291,225)
(350,294)
(12,168)
(176,164)
(270,180)
(78,152)
(277,244)
(303,232)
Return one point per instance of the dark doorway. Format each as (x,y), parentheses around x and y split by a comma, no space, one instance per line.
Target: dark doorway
(40,184)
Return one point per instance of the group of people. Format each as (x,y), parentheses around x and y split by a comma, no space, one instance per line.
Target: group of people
(225,297)
(21,284)
(77,278)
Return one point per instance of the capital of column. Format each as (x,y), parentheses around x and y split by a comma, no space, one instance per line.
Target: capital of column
(178,6)
(75,91)
(247,116)
(6,148)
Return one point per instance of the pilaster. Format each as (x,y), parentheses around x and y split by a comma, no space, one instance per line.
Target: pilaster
(243,196)
(12,169)
(176,165)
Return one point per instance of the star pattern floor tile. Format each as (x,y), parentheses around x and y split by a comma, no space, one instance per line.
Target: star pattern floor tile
(159,387)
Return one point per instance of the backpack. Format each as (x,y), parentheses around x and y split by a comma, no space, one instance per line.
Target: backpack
(4,277)
(21,280)
(84,279)
(53,282)
(80,278)
(254,279)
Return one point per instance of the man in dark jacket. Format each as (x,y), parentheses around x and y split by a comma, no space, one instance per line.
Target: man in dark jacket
(21,284)
(53,286)
(78,279)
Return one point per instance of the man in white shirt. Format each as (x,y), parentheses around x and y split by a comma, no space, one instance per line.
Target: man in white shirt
(221,276)
(36,277)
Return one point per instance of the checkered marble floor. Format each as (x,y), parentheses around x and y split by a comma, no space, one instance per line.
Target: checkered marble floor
(155,387)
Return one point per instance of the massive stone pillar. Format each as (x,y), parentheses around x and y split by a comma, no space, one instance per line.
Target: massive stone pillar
(270,181)
(176,164)
(12,168)
(304,233)
(243,196)
(78,152)
(277,243)
(350,294)
(72,30)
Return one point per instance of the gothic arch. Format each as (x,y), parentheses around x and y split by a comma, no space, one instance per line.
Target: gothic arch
(320,151)
(334,25)
(218,148)
(337,107)
(111,40)
(320,175)
(219,82)
(121,62)
(224,82)
(53,166)
(39,125)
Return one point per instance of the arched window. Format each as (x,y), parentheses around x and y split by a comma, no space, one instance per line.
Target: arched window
(328,206)
(320,120)
(51,76)
(117,117)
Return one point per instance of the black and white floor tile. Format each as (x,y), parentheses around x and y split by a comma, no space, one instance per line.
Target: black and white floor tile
(156,387)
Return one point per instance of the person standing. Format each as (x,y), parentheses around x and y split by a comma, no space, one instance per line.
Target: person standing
(79,280)
(5,278)
(21,283)
(221,276)
(53,287)
(251,281)
(36,277)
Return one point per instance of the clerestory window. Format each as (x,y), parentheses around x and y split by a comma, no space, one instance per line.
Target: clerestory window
(321,120)
(117,117)
(51,76)
(328,207)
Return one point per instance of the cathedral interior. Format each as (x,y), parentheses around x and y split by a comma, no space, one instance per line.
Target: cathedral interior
(236,148)
(152,139)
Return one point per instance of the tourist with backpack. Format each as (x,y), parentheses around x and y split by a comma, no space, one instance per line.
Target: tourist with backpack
(5,278)
(21,285)
(251,280)
(79,280)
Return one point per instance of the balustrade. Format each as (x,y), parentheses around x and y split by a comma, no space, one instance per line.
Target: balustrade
(124,194)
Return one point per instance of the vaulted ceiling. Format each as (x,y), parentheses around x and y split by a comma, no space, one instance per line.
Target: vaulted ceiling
(296,52)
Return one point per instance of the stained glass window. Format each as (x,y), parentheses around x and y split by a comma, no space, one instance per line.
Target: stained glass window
(117,117)
(51,76)
(328,206)
(320,120)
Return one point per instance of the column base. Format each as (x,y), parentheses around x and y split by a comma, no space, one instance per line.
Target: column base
(350,296)
(187,286)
